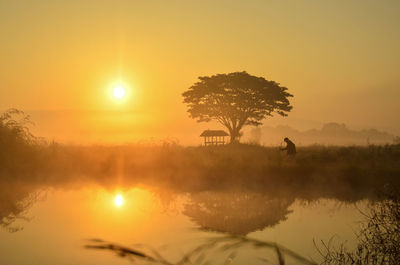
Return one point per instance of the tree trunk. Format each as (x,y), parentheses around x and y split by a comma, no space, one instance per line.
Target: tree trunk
(234,136)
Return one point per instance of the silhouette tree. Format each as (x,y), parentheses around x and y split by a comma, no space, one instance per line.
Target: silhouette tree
(235,100)
(13,129)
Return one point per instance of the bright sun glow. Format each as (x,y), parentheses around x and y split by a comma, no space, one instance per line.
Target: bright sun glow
(119,92)
(119,200)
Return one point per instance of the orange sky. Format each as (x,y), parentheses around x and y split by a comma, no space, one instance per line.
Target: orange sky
(340,59)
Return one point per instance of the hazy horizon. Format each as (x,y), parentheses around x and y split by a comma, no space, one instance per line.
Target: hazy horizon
(118,127)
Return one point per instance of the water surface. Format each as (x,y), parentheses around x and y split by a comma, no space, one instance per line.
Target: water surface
(53,224)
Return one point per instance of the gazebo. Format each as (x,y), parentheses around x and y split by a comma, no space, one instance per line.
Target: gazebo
(214,137)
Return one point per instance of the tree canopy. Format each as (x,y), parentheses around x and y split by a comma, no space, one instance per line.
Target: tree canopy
(235,100)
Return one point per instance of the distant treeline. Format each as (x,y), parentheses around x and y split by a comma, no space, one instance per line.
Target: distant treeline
(330,134)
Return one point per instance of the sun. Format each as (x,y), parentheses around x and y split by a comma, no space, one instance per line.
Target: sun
(119,92)
(119,200)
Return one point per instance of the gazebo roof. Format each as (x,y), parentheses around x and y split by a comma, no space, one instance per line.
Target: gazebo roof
(214,133)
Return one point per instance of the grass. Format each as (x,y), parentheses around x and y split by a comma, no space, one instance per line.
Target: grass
(352,169)
(205,252)
(378,237)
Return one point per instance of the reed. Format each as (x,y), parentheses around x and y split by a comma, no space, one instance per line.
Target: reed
(378,237)
(231,244)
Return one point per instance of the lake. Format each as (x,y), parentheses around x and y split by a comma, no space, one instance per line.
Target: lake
(54,224)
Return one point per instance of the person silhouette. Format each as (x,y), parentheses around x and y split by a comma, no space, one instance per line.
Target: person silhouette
(290,147)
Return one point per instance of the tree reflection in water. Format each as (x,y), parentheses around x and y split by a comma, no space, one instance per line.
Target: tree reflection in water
(15,199)
(236,213)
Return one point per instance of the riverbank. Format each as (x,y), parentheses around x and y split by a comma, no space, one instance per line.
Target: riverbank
(354,171)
